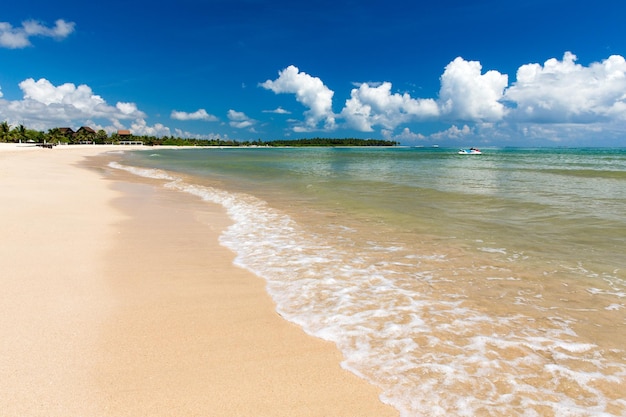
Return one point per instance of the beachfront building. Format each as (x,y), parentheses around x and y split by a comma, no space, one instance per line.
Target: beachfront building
(66,132)
(126,138)
(85,135)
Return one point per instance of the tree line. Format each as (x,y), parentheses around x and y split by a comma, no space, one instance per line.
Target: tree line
(332,142)
(57,135)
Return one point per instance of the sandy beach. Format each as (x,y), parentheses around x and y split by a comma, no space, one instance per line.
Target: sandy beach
(119,301)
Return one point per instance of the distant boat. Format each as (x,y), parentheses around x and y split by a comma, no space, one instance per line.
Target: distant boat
(470,151)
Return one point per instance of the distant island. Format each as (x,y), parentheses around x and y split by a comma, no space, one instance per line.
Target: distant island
(86,135)
(331,142)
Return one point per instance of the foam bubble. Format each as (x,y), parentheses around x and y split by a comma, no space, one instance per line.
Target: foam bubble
(143,172)
(493,250)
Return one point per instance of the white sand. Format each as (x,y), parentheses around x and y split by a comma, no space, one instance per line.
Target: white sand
(119,301)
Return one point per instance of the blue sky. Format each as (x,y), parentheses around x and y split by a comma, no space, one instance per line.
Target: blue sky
(450,72)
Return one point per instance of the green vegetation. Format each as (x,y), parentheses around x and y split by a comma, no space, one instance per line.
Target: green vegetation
(86,135)
(332,142)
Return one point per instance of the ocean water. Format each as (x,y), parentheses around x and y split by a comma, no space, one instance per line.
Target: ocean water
(487,285)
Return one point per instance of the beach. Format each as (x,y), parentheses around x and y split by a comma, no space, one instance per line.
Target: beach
(118,300)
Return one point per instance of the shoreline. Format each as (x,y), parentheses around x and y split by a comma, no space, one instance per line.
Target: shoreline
(156,319)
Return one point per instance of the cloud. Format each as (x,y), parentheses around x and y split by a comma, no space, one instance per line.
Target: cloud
(310,92)
(16,38)
(466,94)
(559,99)
(140,128)
(208,136)
(564,91)
(278,110)
(454,132)
(129,109)
(74,102)
(375,105)
(240,120)
(45,106)
(199,114)
(407,136)
(45,92)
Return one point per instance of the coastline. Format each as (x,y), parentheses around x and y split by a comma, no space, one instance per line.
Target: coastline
(155,319)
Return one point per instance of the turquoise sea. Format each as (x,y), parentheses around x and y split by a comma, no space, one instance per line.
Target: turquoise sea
(483,285)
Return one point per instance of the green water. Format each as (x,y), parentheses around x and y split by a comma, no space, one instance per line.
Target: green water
(554,203)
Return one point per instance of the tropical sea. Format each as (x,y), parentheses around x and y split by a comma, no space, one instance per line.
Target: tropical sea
(482,285)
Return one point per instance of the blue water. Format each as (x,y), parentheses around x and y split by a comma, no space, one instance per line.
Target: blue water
(460,285)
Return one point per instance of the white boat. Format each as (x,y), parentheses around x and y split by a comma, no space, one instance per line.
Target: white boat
(470,151)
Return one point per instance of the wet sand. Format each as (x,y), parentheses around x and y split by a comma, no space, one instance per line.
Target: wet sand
(119,301)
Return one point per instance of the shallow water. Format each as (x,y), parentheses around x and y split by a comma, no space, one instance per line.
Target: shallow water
(460,285)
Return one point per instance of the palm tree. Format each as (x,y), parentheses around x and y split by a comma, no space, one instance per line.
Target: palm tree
(5,129)
(101,136)
(54,135)
(20,132)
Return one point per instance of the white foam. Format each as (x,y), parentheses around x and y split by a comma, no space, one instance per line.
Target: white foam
(143,172)
(493,250)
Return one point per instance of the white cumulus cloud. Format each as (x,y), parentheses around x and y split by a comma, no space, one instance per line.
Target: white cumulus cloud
(45,105)
(456,132)
(406,136)
(376,105)
(74,101)
(546,100)
(311,92)
(19,37)
(45,92)
(141,128)
(127,108)
(239,119)
(467,94)
(200,114)
(561,91)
